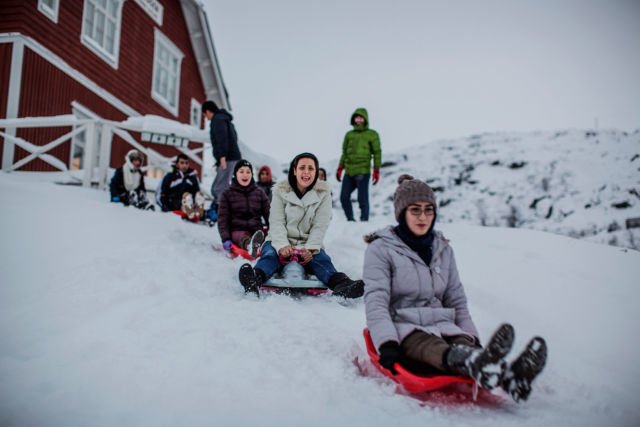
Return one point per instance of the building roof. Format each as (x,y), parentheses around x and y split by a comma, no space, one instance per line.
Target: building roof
(205,53)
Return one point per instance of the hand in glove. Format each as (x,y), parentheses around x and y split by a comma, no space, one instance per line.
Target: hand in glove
(339,173)
(227,245)
(389,355)
(376,176)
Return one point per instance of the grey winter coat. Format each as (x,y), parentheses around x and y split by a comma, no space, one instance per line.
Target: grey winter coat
(402,293)
(299,222)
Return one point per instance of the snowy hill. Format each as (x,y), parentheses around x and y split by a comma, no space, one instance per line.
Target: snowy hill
(583,184)
(113,316)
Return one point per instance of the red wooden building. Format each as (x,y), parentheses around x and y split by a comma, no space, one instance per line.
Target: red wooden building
(101,59)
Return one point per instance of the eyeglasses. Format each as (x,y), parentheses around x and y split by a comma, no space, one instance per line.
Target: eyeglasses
(416,211)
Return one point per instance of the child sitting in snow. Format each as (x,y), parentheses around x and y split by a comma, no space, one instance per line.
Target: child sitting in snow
(127,184)
(243,211)
(180,190)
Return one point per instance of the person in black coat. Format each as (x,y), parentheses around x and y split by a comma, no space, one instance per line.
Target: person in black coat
(180,190)
(226,152)
(127,184)
(265,180)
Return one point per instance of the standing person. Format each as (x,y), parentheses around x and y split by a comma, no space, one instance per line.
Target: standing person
(224,141)
(299,219)
(265,180)
(243,211)
(360,145)
(127,185)
(180,190)
(416,306)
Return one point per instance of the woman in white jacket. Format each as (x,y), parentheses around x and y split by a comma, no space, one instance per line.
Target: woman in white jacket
(416,306)
(298,221)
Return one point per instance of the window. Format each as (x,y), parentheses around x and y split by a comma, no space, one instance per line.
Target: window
(167,59)
(49,8)
(196,114)
(101,24)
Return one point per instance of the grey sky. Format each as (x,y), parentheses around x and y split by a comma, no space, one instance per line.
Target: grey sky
(296,70)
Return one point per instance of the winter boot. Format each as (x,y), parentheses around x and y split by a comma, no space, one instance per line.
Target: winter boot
(342,286)
(255,243)
(485,365)
(199,205)
(187,205)
(251,279)
(133,199)
(521,373)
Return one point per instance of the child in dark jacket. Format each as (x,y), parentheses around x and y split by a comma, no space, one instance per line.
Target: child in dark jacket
(180,190)
(127,185)
(243,211)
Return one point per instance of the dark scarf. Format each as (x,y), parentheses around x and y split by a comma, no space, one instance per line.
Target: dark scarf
(420,244)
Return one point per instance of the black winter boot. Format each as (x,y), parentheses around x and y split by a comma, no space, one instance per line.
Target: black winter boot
(255,243)
(251,279)
(521,373)
(342,286)
(485,365)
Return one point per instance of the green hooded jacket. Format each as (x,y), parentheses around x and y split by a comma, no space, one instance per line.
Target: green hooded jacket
(360,144)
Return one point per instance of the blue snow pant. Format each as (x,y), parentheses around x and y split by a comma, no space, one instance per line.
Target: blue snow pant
(320,263)
(350,183)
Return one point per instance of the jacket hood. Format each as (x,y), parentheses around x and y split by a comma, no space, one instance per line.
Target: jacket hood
(390,237)
(285,186)
(222,114)
(132,154)
(360,112)
(292,178)
(265,168)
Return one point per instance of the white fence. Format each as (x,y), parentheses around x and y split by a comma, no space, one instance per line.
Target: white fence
(97,154)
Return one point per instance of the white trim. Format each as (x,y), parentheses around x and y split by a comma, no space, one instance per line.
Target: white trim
(163,42)
(204,23)
(78,108)
(153,8)
(51,13)
(13,100)
(95,46)
(63,66)
(196,108)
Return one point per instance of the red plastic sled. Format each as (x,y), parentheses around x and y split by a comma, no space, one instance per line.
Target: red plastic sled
(237,251)
(411,382)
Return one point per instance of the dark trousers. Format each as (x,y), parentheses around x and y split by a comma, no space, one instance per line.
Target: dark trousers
(350,183)
(320,263)
(426,348)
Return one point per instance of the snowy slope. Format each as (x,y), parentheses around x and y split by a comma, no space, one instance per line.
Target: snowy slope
(577,183)
(112,316)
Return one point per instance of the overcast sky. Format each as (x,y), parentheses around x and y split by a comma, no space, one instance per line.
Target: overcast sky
(296,69)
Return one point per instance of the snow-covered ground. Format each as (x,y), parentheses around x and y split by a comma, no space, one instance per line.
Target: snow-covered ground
(578,183)
(110,316)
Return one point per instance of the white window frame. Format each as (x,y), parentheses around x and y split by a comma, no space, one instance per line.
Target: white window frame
(90,41)
(162,42)
(50,12)
(195,115)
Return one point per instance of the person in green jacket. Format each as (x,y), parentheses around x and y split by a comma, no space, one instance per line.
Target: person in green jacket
(360,145)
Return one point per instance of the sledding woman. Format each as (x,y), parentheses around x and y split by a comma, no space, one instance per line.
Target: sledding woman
(243,211)
(300,216)
(416,306)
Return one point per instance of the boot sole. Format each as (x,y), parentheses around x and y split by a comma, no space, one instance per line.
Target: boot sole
(255,243)
(248,279)
(500,343)
(525,369)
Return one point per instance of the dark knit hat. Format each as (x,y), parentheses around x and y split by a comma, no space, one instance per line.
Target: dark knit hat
(411,191)
(240,163)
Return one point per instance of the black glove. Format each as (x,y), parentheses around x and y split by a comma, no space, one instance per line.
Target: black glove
(389,355)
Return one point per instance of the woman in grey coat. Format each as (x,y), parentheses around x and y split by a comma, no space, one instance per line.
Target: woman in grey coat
(416,306)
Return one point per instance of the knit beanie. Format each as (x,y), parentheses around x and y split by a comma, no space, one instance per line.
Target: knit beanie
(411,191)
(240,163)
